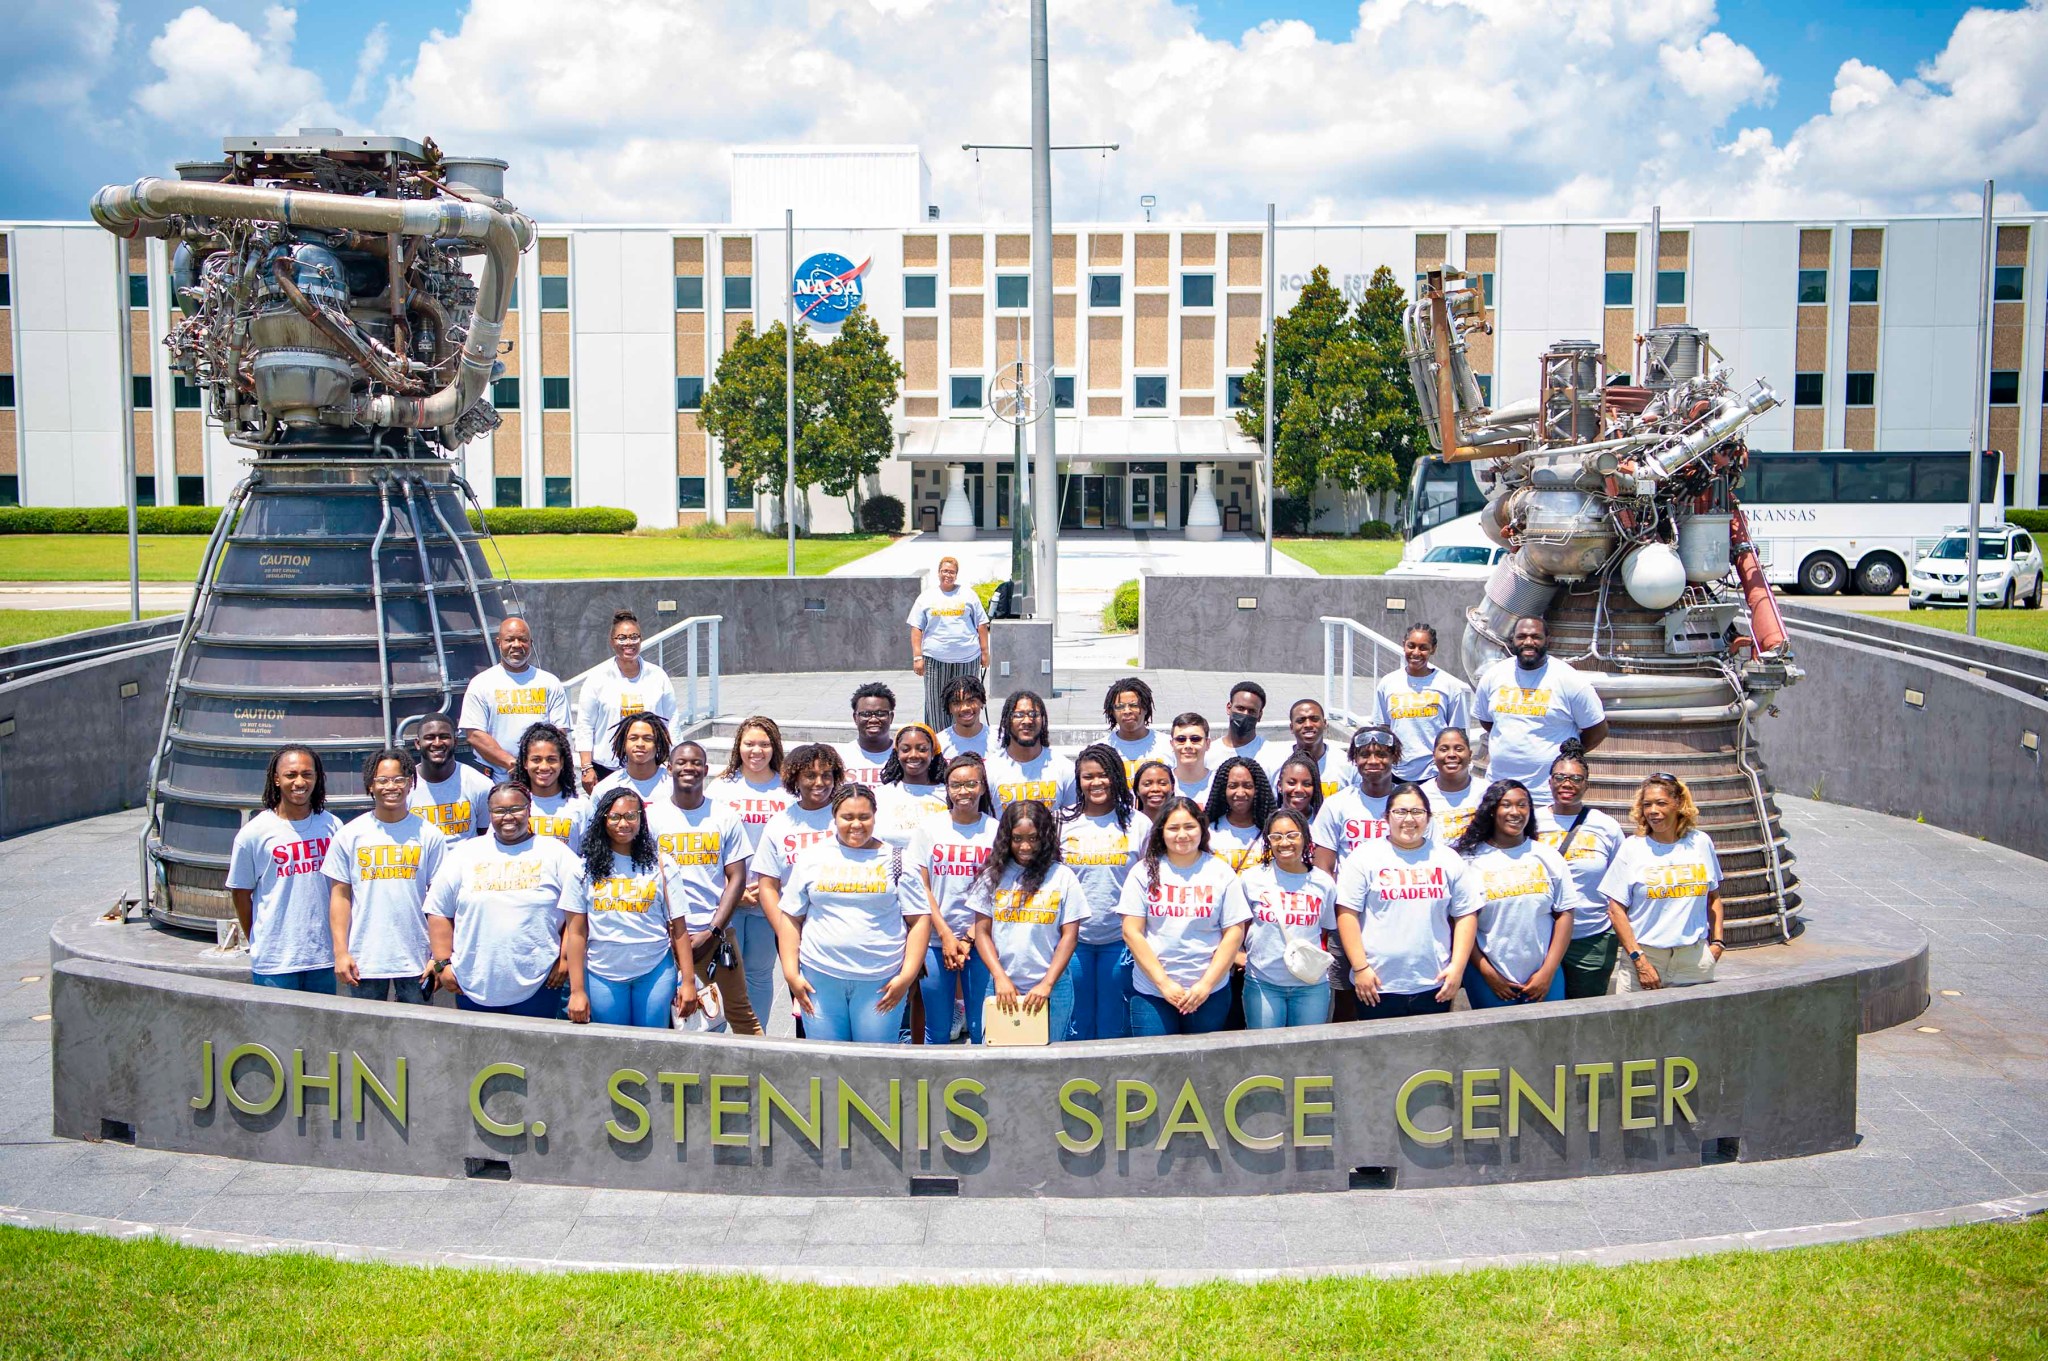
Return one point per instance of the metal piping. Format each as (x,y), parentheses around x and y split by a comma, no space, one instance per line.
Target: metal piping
(433,598)
(377,594)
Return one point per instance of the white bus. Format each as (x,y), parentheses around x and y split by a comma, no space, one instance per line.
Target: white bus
(1823,522)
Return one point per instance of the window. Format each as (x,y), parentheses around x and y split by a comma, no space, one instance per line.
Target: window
(1063,392)
(689,394)
(139,391)
(1813,285)
(505,394)
(920,291)
(505,491)
(1486,287)
(1624,378)
(1790,479)
(554,394)
(690,493)
(10,485)
(1809,389)
(967,392)
(1013,290)
(689,292)
(2005,387)
(1233,391)
(1874,479)
(1485,381)
(1105,290)
(192,490)
(1862,285)
(1948,479)
(1197,290)
(512,296)
(6,295)
(1860,390)
(1621,288)
(2008,283)
(145,491)
(6,391)
(739,494)
(558,493)
(1150,392)
(554,292)
(184,394)
(739,293)
(1670,288)
(138,290)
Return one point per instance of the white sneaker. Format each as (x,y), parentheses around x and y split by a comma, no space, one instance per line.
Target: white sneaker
(959,1019)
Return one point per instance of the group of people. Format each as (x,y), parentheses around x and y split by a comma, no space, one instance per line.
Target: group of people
(1150,882)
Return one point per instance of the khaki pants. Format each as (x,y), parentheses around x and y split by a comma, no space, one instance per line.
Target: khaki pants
(1679,967)
(732,985)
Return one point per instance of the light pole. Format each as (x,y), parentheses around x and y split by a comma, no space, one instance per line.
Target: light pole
(1978,400)
(1045,501)
(789,384)
(1272,330)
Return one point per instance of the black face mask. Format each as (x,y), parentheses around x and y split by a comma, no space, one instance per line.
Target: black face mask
(1243,727)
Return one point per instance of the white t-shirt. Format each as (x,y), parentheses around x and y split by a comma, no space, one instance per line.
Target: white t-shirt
(1152,746)
(607,697)
(788,832)
(279,863)
(1348,820)
(900,809)
(1533,713)
(458,805)
(1518,892)
(659,785)
(863,767)
(1027,931)
(1262,751)
(1451,813)
(950,620)
(564,817)
(949,856)
(506,703)
(1235,846)
(756,804)
(1665,887)
(1047,777)
(851,910)
(698,843)
(508,904)
(630,911)
(1284,907)
(1198,790)
(1185,917)
(387,867)
(1592,850)
(1418,709)
(1405,901)
(1101,855)
(952,743)
(1334,768)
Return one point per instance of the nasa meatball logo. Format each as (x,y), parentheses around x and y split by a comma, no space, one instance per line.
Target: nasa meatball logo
(828,288)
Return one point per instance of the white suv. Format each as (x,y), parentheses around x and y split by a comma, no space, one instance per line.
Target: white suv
(2008,569)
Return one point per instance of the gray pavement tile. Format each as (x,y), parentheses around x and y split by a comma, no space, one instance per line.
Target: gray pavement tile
(601,1238)
(749,1230)
(688,1237)
(876,1222)
(985,1221)
(298,1216)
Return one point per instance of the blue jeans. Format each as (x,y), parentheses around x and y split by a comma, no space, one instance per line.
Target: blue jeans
(1059,1010)
(760,959)
(936,988)
(542,1004)
(405,989)
(645,1001)
(846,1010)
(1272,1006)
(298,980)
(1393,1005)
(1102,991)
(1156,1016)
(1481,996)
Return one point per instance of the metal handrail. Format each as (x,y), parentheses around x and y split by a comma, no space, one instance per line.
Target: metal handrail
(698,630)
(2004,675)
(1342,635)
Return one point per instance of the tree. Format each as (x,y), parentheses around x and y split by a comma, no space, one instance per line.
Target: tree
(861,379)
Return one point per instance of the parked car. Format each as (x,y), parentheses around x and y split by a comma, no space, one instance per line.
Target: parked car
(1460,561)
(2008,569)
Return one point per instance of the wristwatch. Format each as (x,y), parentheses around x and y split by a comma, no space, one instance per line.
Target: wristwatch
(1722,944)
(1634,956)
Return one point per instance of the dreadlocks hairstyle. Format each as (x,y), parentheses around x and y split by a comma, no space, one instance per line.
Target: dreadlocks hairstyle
(1301,821)
(1315,782)
(959,688)
(533,737)
(1138,777)
(1480,830)
(1131,685)
(893,771)
(273,796)
(406,765)
(597,842)
(821,754)
(655,725)
(1010,708)
(1219,800)
(970,760)
(1104,755)
(768,730)
(1000,858)
(1155,844)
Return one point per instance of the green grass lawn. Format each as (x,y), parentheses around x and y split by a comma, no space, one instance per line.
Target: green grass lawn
(2017,628)
(30,626)
(175,557)
(1976,1291)
(1344,557)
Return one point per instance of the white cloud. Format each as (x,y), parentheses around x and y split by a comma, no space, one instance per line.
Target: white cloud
(57,52)
(376,50)
(219,77)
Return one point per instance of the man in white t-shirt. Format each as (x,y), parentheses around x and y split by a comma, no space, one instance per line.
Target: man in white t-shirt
(1247,706)
(1529,703)
(1189,739)
(504,701)
(874,725)
(448,793)
(623,685)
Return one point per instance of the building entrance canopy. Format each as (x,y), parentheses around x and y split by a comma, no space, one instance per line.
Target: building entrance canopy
(1078,438)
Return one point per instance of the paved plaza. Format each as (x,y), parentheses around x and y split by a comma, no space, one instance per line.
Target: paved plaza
(1953,1113)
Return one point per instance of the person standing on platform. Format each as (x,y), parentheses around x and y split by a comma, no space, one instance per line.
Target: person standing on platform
(1419,701)
(639,750)
(1308,724)
(1453,794)
(1240,801)
(1189,737)
(1408,935)
(622,686)
(1101,837)
(1127,705)
(1289,900)
(1028,909)
(1586,839)
(1151,786)
(274,876)
(1530,703)
(505,913)
(1358,813)
(1247,706)
(1026,767)
(874,715)
(1522,893)
(448,794)
(1183,927)
(752,787)
(503,701)
(637,967)
(966,705)
(542,771)
(707,844)
(379,866)
(1663,891)
(948,639)
(946,855)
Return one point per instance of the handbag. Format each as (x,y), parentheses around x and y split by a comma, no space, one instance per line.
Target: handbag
(709,1017)
(1307,961)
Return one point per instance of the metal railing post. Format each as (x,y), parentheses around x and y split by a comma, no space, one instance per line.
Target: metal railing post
(1329,666)
(690,647)
(1350,665)
(717,626)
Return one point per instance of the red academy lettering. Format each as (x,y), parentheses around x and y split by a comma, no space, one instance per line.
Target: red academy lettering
(1289,908)
(300,857)
(1358,830)
(755,812)
(1183,900)
(1395,885)
(956,860)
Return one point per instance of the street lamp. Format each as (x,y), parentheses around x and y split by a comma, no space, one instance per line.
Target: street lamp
(1148,202)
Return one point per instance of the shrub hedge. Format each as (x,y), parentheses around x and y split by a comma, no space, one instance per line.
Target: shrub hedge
(555,520)
(1377,529)
(107,519)
(1123,607)
(882,515)
(2035,521)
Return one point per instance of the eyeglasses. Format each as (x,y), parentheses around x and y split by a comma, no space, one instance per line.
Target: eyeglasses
(390,782)
(1561,777)
(1663,777)
(1189,740)
(1408,813)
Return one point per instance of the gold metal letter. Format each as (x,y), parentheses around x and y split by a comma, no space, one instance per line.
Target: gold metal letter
(1068,1106)
(1470,1102)
(958,1087)
(1197,1121)
(1674,1090)
(1304,1109)
(359,1074)
(678,1085)
(205,1097)
(1126,1117)
(277,1083)
(476,1098)
(1633,1091)
(722,1106)
(1259,1083)
(1592,1072)
(890,1129)
(1428,1077)
(813,1129)
(328,1084)
(1518,1088)
(641,1126)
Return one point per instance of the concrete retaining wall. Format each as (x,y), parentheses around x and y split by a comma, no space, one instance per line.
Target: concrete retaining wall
(1208,623)
(76,742)
(24,657)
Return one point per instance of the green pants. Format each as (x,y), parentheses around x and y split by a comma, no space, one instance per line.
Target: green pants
(1587,965)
